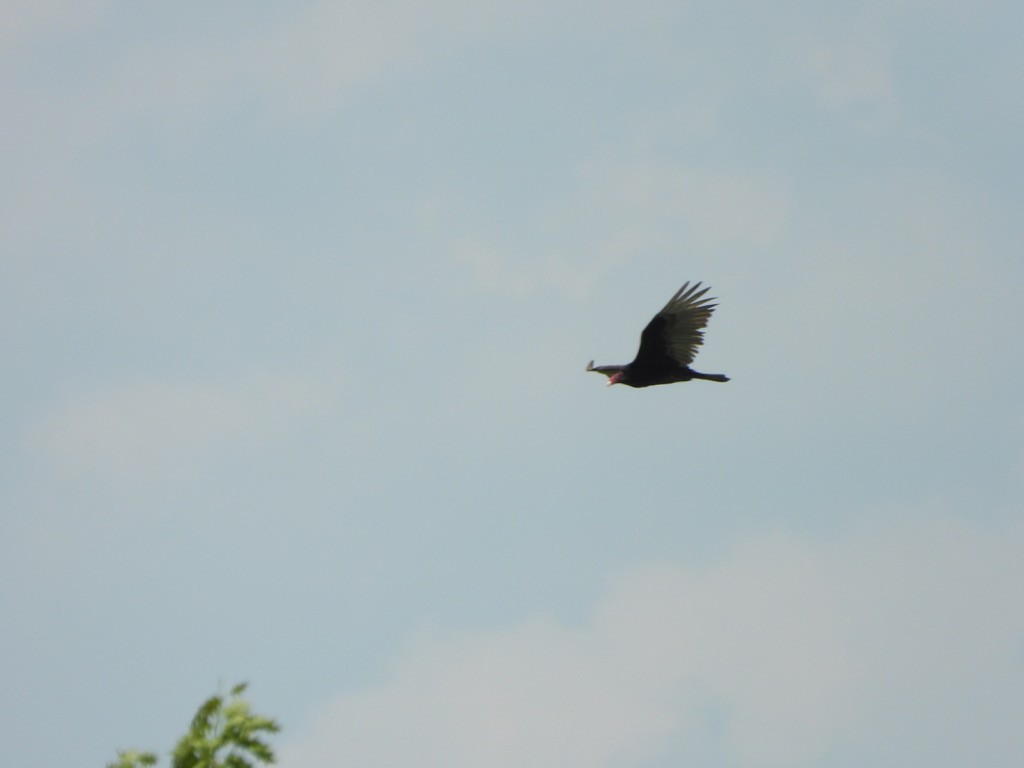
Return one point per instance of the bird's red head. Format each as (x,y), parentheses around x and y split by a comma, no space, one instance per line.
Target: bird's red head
(615,373)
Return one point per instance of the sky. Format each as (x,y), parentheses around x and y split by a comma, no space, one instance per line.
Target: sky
(295,305)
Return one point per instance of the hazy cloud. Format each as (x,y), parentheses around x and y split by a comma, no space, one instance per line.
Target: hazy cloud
(662,202)
(896,642)
(300,63)
(22,21)
(144,430)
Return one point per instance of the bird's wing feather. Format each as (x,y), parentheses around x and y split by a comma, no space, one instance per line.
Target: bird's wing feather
(674,334)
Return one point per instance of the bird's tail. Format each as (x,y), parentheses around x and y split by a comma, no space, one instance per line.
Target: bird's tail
(710,376)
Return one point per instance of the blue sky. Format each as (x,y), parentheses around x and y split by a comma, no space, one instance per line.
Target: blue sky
(296,305)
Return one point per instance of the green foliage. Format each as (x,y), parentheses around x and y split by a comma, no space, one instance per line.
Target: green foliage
(224,733)
(133,759)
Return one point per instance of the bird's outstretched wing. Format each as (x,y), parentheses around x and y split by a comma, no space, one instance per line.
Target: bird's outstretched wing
(673,335)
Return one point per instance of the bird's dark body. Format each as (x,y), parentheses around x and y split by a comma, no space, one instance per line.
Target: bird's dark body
(649,377)
(668,344)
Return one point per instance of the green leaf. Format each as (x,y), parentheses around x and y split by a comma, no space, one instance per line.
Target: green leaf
(222,734)
(133,759)
(202,723)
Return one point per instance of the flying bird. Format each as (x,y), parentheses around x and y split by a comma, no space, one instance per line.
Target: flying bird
(668,344)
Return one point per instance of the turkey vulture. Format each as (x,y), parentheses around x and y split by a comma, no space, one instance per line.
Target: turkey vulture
(668,344)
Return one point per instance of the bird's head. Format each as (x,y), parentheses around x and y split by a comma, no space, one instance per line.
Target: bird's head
(613,372)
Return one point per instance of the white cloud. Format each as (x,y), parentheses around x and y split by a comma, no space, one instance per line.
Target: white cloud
(899,643)
(144,430)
